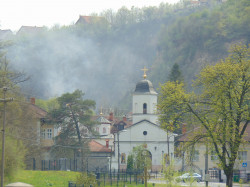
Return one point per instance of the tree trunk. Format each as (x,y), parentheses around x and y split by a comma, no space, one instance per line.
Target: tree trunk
(229,182)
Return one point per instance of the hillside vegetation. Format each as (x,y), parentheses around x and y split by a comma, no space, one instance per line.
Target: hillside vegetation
(104,58)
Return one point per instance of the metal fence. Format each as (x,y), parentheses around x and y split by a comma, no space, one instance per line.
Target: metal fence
(65,165)
(115,178)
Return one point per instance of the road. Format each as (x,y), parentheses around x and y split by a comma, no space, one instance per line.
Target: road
(210,184)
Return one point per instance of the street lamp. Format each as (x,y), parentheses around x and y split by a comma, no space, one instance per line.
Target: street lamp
(118,147)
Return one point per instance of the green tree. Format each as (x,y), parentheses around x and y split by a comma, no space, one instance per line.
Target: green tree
(48,105)
(20,125)
(221,106)
(175,74)
(142,157)
(73,118)
(130,163)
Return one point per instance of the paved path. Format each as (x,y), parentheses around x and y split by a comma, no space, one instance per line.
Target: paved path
(210,184)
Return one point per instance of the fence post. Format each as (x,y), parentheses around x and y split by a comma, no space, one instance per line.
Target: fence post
(111,178)
(104,179)
(130,177)
(34,164)
(136,178)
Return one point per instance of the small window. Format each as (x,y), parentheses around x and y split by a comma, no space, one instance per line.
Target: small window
(49,133)
(43,134)
(144,108)
(97,129)
(214,156)
(242,155)
(145,133)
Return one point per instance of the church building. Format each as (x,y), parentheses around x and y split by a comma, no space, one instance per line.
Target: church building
(145,130)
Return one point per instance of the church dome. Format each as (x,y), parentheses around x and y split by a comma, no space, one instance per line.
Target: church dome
(145,86)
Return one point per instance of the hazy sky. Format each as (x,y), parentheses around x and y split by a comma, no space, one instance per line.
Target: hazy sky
(15,13)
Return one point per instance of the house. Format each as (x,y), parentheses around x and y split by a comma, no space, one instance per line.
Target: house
(99,158)
(144,130)
(86,20)
(242,165)
(6,34)
(46,131)
(30,30)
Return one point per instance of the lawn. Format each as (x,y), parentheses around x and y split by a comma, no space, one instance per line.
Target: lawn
(58,179)
(45,178)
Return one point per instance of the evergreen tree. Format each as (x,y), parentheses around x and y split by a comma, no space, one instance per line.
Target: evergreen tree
(175,74)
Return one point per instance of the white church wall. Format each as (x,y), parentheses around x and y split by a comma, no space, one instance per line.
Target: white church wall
(156,141)
(138,101)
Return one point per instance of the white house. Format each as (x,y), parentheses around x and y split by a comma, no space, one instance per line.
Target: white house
(144,131)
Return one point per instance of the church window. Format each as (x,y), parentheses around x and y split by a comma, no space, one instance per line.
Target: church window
(104,130)
(145,133)
(123,158)
(97,129)
(144,108)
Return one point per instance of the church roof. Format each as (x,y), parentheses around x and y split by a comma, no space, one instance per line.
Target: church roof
(103,120)
(145,86)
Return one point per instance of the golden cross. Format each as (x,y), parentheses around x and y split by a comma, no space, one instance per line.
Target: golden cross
(145,70)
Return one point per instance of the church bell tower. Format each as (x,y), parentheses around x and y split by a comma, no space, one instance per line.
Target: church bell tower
(144,101)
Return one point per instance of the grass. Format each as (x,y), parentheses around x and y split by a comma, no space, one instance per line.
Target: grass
(60,179)
(45,178)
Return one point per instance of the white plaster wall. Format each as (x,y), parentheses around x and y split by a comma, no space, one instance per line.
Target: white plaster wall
(138,101)
(156,140)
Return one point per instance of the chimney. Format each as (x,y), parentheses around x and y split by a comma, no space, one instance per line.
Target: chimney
(124,118)
(107,143)
(111,116)
(33,100)
(184,128)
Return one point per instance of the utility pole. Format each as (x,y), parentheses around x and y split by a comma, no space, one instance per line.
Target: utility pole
(206,166)
(118,147)
(4,100)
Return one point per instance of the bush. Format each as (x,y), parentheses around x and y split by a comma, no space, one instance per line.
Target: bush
(87,179)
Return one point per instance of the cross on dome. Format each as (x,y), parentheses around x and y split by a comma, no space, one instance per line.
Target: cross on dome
(145,70)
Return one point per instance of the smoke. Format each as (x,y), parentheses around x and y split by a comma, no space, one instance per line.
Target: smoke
(61,61)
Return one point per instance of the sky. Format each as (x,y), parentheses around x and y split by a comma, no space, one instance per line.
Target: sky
(17,13)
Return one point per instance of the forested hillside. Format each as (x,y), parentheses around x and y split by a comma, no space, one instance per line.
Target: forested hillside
(104,59)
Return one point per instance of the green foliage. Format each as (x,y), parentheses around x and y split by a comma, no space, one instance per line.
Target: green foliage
(87,179)
(221,106)
(20,122)
(130,163)
(73,116)
(175,74)
(169,173)
(45,178)
(142,158)
(14,157)
(193,39)
(47,105)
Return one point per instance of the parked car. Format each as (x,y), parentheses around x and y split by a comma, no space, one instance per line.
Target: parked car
(188,177)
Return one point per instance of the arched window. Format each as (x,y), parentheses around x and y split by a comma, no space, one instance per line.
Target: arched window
(104,130)
(144,108)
